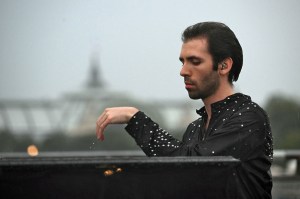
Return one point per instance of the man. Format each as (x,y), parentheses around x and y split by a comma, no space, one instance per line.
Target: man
(230,124)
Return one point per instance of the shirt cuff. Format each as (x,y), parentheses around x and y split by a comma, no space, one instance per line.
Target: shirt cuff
(136,124)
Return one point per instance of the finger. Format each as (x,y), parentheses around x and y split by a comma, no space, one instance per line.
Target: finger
(102,126)
(102,117)
(99,130)
(101,136)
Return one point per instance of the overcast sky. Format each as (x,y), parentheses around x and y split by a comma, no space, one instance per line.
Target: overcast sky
(46,46)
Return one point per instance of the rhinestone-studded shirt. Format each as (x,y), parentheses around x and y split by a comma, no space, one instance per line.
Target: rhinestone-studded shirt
(238,127)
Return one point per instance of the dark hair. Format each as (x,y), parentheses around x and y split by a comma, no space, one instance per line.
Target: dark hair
(222,43)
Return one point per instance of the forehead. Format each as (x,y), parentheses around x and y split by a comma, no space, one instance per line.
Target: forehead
(195,46)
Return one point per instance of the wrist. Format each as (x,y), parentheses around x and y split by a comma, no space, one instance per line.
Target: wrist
(131,112)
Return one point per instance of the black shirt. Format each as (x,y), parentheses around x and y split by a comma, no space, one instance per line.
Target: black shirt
(238,127)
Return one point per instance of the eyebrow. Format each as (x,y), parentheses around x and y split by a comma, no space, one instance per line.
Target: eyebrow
(190,58)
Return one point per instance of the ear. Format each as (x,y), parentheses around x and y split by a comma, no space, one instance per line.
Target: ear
(225,66)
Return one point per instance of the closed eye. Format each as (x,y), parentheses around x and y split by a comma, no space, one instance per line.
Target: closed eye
(192,59)
(195,60)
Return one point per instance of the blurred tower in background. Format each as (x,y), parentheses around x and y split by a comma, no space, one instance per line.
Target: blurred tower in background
(95,79)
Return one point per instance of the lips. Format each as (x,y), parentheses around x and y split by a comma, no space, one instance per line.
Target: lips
(188,85)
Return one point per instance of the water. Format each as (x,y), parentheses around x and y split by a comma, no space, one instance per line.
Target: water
(92,146)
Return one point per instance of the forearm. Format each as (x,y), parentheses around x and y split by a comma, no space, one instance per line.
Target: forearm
(153,140)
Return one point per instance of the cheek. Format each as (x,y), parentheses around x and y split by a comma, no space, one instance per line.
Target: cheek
(204,77)
(199,76)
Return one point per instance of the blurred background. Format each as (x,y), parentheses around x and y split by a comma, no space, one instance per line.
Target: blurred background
(62,62)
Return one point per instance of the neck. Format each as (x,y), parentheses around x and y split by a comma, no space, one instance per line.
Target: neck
(220,94)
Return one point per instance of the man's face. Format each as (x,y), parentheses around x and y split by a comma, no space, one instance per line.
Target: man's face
(201,81)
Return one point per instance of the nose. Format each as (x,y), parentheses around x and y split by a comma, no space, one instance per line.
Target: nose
(184,72)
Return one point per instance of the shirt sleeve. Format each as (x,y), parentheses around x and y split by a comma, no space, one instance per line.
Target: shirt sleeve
(152,139)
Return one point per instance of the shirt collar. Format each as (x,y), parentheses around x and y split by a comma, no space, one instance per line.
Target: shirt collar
(235,98)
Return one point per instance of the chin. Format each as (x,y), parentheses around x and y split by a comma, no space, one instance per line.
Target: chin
(195,97)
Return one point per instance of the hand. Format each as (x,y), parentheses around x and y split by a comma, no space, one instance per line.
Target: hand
(116,115)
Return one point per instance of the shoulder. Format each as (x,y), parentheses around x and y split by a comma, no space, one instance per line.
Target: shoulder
(247,105)
(249,110)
